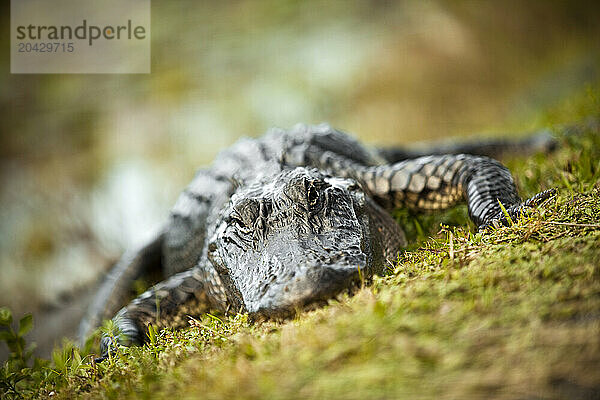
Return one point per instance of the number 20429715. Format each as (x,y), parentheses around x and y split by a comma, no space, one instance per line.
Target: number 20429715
(45,47)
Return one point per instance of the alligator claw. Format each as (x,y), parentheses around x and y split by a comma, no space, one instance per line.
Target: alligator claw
(124,333)
(98,360)
(516,210)
(108,347)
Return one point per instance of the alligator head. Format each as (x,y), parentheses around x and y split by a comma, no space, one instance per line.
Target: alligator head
(298,238)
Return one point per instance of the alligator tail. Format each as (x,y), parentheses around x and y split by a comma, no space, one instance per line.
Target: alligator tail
(539,141)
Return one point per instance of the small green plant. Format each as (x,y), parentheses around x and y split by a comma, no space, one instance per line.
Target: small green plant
(25,376)
(15,370)
(19,376)
(14,339)
(506,214)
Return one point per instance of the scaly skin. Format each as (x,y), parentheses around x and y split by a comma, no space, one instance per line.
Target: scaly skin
(288,221)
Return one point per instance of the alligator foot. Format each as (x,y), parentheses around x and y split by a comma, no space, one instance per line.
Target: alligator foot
(513,212)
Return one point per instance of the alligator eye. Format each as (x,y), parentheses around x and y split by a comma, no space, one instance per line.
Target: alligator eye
(245,213)
(312,196)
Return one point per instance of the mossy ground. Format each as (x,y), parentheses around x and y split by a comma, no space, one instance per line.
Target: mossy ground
(511,313)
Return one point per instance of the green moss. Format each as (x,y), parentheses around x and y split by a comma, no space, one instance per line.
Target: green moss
(510,313)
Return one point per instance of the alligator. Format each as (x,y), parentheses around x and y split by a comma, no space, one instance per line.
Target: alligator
(290,220)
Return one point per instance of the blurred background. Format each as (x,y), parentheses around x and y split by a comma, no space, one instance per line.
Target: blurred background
(90,164)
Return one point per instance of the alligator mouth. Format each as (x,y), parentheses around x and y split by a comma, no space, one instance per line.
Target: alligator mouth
(310,286)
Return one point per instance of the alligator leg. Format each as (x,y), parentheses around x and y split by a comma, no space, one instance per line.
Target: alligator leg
(167,304)
(437,182)
(177,248)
